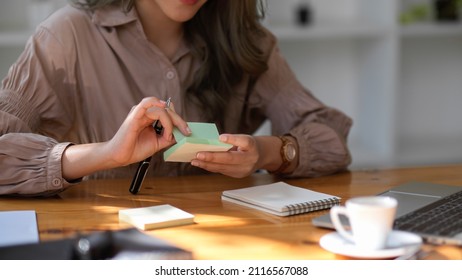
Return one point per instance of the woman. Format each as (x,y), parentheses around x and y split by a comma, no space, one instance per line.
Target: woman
(82,97)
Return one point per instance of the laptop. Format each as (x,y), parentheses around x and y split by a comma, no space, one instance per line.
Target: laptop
(433,211)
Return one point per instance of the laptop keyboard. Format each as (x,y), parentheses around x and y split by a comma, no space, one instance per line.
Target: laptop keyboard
(443,217)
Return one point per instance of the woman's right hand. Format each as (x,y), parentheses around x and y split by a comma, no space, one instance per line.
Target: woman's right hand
(135,140)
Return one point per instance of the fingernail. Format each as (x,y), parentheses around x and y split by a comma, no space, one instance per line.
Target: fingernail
(200,156)
(188,130)
(223,138)
(194,163)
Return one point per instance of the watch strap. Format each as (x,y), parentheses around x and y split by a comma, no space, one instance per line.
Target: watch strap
(285,161)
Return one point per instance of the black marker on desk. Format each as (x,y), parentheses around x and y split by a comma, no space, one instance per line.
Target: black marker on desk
(143,166)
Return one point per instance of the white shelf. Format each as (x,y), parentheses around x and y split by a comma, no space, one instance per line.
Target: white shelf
(431,30)
(383,83)
(329,31)
(361,30)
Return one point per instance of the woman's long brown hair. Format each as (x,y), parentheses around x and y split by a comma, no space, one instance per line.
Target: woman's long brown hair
(224,35)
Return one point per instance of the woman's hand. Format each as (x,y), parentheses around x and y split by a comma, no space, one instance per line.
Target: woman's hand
(135,140)
(249,154)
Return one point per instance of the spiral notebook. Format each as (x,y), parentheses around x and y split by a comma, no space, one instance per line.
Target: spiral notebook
(281,199)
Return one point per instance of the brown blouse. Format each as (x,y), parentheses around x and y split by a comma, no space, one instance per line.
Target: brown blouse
(81,73)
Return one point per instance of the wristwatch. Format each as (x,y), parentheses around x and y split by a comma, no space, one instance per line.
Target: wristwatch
(288,154)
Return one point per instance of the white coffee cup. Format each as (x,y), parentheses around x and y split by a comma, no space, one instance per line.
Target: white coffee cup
(371,220)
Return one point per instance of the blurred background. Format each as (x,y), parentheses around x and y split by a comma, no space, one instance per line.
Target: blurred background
(394,66)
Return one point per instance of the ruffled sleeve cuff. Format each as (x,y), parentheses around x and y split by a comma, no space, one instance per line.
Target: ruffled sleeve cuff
(32,165)
(55,181)
(322,147)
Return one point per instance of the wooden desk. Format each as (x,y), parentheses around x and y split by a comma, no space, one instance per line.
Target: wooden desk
(222,230)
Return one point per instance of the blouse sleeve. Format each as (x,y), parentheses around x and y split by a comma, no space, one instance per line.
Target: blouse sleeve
(321,131)
(33,116)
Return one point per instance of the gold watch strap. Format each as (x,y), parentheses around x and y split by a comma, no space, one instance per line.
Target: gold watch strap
(285,162)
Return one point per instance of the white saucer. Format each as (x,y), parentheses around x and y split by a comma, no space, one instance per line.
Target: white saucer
(399,243)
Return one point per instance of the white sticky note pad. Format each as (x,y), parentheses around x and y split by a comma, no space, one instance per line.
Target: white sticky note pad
(153,217)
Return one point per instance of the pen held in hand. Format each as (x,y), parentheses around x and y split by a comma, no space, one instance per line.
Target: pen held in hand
(157,125)
(143,166)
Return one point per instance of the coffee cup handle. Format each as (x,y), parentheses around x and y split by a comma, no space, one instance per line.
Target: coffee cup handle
(335,213)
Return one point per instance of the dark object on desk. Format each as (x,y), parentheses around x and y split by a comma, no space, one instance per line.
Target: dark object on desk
(446,10)
(140,174)
(433,211)
(123,244)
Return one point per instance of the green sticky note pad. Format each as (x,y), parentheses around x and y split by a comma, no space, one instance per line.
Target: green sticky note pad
(204,138)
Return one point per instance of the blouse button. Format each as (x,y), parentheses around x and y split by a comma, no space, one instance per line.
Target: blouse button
(56,182)
(170,75)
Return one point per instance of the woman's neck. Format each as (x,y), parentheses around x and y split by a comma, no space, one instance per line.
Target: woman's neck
(160,30)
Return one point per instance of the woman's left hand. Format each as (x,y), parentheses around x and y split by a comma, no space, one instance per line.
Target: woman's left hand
(242,160)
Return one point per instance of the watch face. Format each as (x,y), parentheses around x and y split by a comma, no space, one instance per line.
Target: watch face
(290,151)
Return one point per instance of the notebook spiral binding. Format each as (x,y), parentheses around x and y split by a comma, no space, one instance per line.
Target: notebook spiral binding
(300,208)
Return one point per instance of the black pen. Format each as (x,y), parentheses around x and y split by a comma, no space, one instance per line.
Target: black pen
(143,166)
